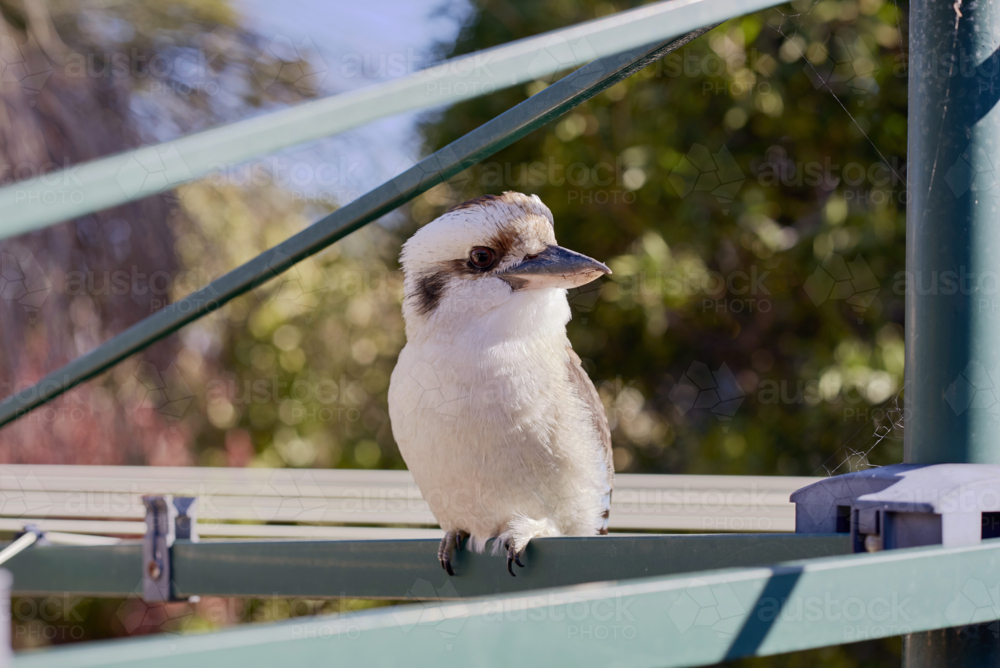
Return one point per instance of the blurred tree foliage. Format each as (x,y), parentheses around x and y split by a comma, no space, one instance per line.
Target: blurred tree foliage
(304,360)
(81,79)
(728,188)
(748,192)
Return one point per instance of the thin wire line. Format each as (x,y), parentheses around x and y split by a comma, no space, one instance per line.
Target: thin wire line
(826,85)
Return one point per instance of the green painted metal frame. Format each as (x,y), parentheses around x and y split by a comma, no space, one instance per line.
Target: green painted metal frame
(398,569)
(952,265)
(952,235)
(107,182)
(662,622)
(477,145)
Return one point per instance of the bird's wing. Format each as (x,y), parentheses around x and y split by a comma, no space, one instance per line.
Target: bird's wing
(592,400)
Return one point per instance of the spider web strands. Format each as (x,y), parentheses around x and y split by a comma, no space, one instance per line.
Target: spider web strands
(888,420)
(477,145)
(106,182)
(699,619)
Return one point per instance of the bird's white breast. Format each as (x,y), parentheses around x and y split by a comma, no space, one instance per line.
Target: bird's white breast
(487,422)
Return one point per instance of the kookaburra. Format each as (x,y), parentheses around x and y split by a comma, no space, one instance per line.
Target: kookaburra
(494,415)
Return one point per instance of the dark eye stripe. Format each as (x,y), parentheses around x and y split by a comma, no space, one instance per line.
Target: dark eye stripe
(428,293)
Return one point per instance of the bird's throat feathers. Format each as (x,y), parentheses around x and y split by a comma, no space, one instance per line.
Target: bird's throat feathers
(466,313)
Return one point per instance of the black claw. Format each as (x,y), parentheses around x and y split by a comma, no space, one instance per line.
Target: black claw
(513,557)
(452,541)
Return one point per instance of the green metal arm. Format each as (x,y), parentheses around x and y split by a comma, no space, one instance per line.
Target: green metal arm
(394,569)
(450,160)
(37,203)
(694,620)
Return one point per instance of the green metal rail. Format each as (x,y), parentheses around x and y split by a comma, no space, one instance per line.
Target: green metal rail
(393,569)
(659,622)
(36,203)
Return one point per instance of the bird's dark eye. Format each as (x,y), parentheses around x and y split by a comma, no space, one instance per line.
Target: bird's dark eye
(481,257)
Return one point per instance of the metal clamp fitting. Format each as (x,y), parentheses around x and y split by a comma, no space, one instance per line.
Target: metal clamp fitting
(168,518)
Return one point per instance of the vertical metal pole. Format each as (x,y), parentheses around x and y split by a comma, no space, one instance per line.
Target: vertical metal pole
(953,234)
(953,265)
(6,650)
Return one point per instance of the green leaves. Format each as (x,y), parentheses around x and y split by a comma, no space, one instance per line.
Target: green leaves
(716,183)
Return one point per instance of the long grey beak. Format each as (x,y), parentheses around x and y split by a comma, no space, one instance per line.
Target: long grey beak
(555,267)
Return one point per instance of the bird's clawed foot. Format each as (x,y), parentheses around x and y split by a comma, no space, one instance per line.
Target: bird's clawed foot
(451,542)
(513,557)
